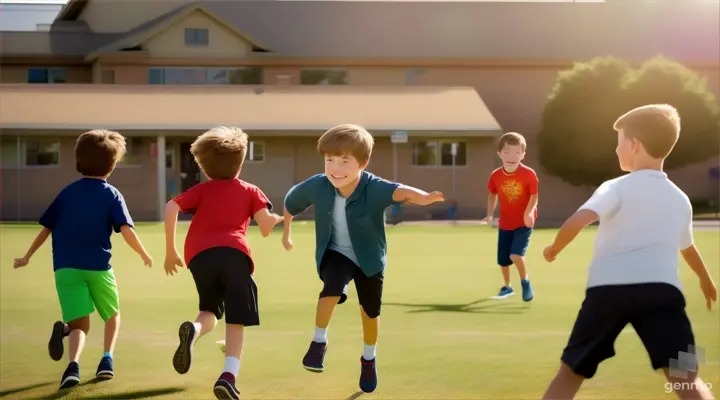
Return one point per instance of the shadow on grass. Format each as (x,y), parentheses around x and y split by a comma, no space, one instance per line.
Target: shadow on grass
(482,306)
(133,394)
(355,395)
(9,392)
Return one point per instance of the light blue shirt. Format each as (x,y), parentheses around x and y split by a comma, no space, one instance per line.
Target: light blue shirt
(340,239)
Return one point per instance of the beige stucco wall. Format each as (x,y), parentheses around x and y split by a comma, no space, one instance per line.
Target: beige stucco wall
(223,42)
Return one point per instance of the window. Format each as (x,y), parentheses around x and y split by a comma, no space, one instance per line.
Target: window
(235,76)
(206,76)
(323,77)
(47,75)
(41,152)
(133,152)
(197,37)
(438,154)
(255,152)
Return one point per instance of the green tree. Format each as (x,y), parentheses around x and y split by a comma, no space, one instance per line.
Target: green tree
(577,141)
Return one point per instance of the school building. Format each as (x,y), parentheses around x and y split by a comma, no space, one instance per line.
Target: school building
(424,77)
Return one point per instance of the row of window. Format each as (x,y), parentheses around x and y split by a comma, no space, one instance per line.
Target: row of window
(46,152)
(212,76)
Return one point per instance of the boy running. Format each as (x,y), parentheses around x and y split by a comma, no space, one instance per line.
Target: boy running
(516,186)
(216,249)
(350,236)
(633,277)
(81,220)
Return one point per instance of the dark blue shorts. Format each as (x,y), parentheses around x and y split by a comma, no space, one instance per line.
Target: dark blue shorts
(514,242)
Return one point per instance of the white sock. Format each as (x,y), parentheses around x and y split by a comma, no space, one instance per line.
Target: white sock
(320,335)
(369,352)
(198,329)
(232,365)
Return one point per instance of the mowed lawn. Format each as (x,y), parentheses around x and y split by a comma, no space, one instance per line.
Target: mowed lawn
(441,336)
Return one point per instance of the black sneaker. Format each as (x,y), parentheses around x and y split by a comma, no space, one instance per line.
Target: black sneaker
(183,355)
(55,346)
(368,375)
(71,376)
(105,369)
(225,387)
(315,356)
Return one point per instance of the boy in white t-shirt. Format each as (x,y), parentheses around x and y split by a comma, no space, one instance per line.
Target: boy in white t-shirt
(633,276)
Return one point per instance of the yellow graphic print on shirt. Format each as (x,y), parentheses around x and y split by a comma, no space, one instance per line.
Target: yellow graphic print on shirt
(512,190)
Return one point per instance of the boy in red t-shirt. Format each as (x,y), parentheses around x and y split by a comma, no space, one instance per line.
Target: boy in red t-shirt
(516,186)
(216,249)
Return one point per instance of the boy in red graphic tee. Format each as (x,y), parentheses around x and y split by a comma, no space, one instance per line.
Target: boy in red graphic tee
(516,187)
(216,249)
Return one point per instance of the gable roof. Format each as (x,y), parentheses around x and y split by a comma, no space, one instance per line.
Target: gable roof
(157,25)
(686,31)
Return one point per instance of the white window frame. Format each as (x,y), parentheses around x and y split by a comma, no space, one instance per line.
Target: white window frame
(24,148)
(438,153)
(251,148)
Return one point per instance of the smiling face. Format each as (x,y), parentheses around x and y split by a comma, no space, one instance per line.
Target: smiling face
(511,156)
(343,171)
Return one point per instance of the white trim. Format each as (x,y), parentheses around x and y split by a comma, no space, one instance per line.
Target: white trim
(251,147)
(471,130)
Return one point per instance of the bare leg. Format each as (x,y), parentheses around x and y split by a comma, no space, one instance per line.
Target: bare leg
(506,275)
(371,328)
(325,310)
(205,322)
(564,386)
(519,262)
(76,338)
(112,327)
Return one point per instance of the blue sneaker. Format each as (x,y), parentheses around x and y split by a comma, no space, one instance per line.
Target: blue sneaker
(527,292)
(55,345)
(71,376)
(105,369)
(368,375)
(315,357)
(505,292)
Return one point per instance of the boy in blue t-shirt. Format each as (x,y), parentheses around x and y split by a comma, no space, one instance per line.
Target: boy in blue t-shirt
(350,206)
(81,220)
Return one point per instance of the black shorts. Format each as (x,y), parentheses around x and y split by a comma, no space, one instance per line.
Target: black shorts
(224,285)
(655,310)
(336,271)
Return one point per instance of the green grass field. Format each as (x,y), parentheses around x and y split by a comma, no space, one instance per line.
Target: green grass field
(440,338)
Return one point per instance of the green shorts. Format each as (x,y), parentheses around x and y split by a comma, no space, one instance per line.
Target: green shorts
(81,292)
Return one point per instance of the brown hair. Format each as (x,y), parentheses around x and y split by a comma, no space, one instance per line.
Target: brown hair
(220,152)
(347,139)
(511,139)
(655,126)
(97,151)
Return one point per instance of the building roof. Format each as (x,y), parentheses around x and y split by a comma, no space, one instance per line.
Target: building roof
(687,31)
(272,108)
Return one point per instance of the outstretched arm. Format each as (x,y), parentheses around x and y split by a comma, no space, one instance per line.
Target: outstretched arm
(287,230)
(132,240)
(34,246)
(409,194)
(266,221)
(571,228)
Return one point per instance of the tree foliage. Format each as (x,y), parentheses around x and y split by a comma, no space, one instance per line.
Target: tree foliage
(577,141)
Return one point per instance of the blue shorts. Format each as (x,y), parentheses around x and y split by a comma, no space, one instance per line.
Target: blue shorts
(514,242)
